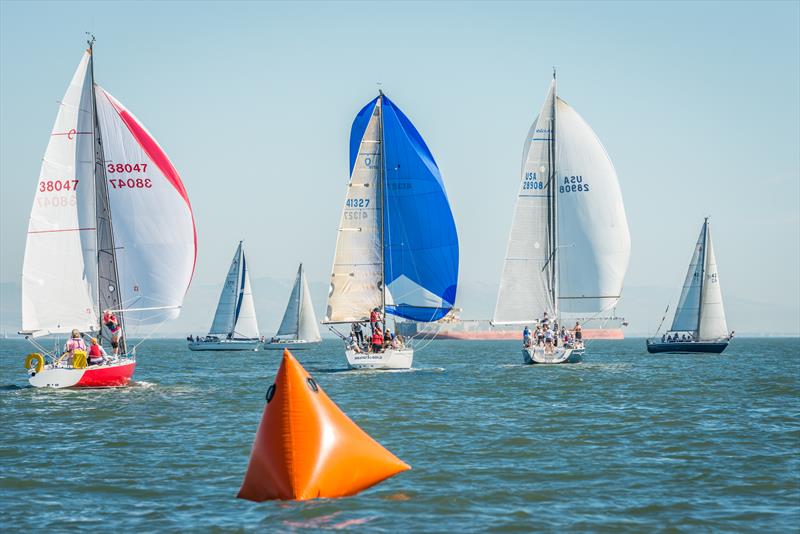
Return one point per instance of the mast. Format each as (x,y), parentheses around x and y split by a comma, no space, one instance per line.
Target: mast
(552,219)
(382,183)
(108,296)
(702,274)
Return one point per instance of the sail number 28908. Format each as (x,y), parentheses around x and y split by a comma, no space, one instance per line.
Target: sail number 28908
(573,184)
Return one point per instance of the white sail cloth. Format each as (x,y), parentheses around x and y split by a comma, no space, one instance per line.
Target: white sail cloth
(246,323)
(56,287)
(299,321)
(236,313)
(589,247)
(526,289)
(594,244)
(225,316)
(153,226)
(712,314)
(700,308)
(357,274)
(154,230)
(687,313)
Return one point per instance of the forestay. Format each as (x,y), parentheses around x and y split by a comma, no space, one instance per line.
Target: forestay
(526,284)
(593,240)
(154,233)
(420,239)
(357,274)
(56,288)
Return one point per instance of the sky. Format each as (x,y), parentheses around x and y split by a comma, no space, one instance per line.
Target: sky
(697,104)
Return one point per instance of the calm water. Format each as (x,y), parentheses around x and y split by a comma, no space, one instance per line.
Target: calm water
(621,442)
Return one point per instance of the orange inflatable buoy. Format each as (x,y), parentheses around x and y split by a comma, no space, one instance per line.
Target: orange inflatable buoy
(306,447)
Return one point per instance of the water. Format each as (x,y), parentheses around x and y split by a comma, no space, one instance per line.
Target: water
(621,442)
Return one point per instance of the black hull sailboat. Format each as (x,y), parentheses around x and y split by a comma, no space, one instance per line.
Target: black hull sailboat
(699,324)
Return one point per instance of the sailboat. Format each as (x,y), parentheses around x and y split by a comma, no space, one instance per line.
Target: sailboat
(298,328)
(569,244)
(111,231)
(234,326)
(699,323)
(397,247)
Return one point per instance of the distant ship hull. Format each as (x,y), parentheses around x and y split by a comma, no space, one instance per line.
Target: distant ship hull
(476,330)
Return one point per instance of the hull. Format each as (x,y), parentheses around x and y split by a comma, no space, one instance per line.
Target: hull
(537,355)
(290,344)
(388,359)
(709,347)
(232,344)
(95,376)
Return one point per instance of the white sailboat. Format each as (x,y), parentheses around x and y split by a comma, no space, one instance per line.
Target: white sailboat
(699,323)
(569,245)
(111,230)
(397,247)
(234,326)
(298,329)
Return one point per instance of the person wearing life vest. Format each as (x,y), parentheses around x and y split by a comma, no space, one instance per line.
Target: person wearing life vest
(110,321)
(75,342)
(97,354)
(377,340)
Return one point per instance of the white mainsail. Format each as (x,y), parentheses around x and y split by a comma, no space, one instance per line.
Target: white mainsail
(299,321)
(57,273)
(526,283)
(593,241)
(569,245)
(687,314)
(225,316)
(357,274)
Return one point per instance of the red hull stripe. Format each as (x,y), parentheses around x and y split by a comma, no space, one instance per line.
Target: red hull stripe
(157,156)
(118,375)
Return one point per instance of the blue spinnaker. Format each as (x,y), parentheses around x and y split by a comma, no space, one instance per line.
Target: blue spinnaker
(420,239)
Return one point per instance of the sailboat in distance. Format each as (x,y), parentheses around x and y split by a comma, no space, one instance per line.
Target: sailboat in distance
(397,247)
(111,239)
(569,245)
(234,326)
(298,329)
(699,323)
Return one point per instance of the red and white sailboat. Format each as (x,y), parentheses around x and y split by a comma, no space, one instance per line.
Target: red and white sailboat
(111,228)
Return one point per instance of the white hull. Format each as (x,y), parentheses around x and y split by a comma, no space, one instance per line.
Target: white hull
(114,374)
(293,344)
(226,344)
(538,355)
(388,359)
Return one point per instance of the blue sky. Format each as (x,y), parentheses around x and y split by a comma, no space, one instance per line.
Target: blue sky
(696,103)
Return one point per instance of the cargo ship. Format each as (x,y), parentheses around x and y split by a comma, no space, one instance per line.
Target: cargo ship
(452,326)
